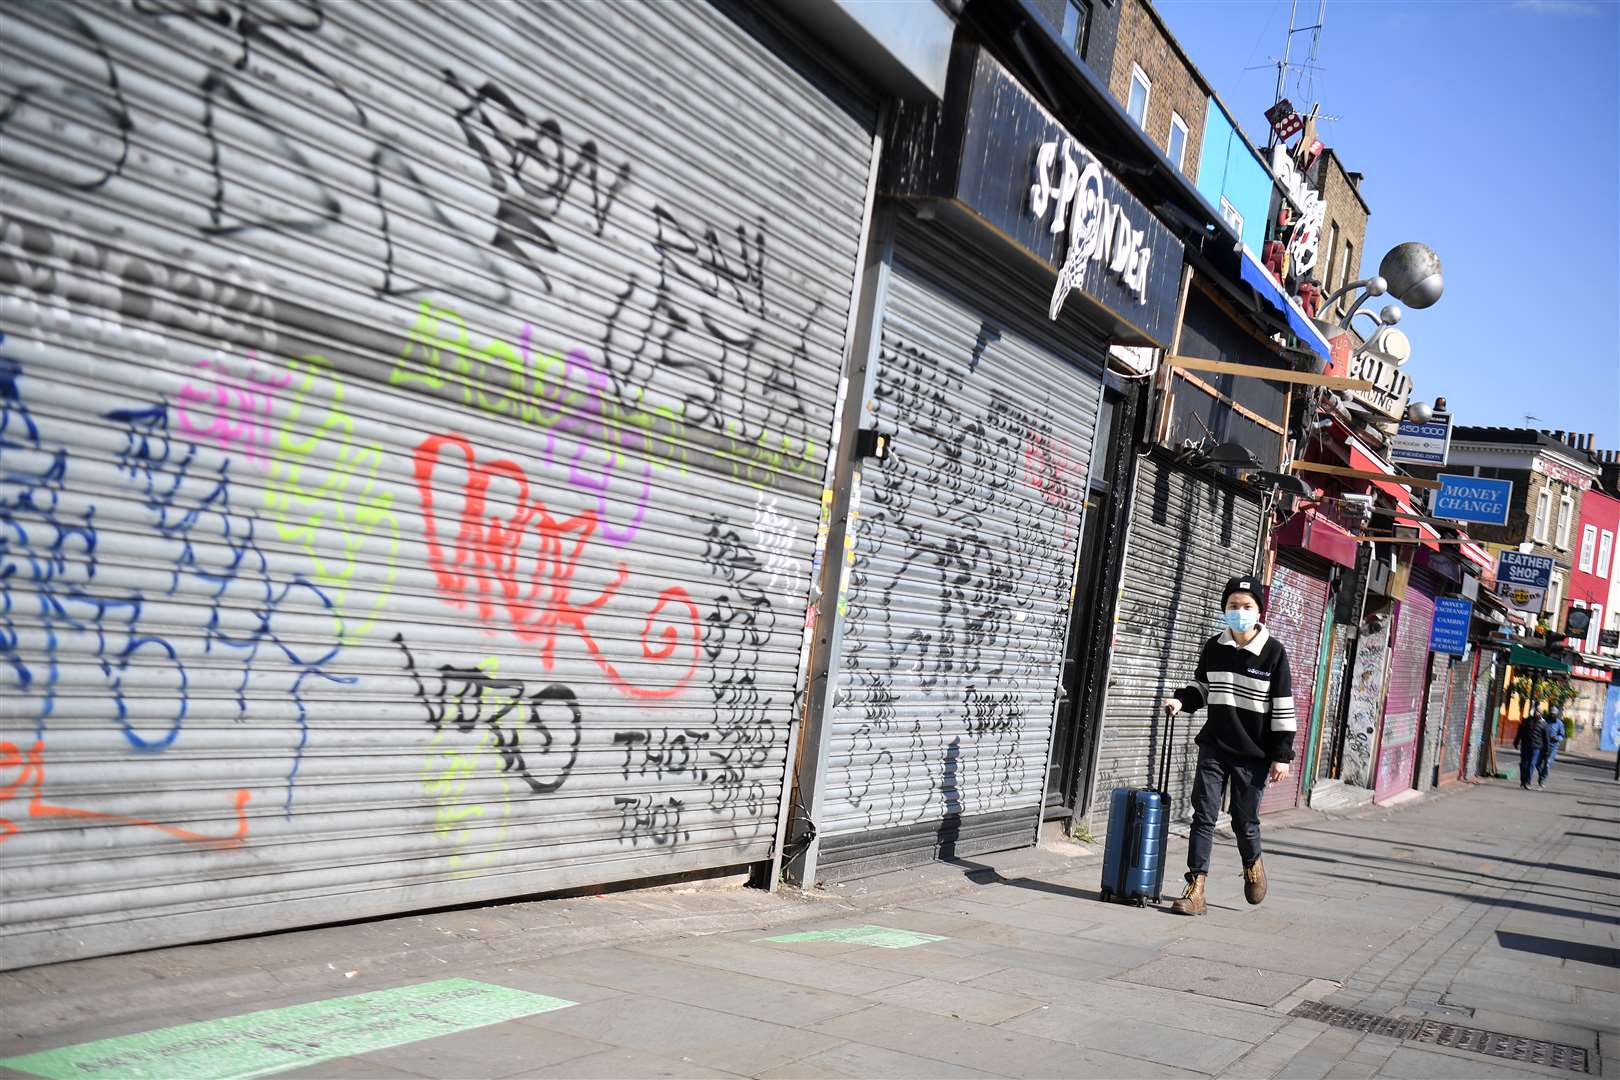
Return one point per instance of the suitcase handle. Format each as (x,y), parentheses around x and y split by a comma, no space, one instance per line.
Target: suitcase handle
(1164,760)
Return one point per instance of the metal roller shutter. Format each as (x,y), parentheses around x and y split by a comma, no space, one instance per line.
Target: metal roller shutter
(413,455)
(1294,613)
(1409,656)
(1457,713)
(964,562)
(1187,537)
(1435,703)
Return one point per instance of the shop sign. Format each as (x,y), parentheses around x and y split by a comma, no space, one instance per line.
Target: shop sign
(1302,244)
(1449,632)
(1554,469)
(1068,187)
(1609,639)
(1473,498)
(1585,671)
(1391,386)
(1522,579)
(1422,444)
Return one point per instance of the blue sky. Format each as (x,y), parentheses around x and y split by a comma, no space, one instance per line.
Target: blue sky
(1488,130)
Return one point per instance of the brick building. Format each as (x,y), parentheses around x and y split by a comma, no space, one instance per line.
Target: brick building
(1344,226)
(1551,474)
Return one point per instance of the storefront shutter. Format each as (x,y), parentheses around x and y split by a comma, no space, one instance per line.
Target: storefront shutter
(1294,612)
(1397,744)
(964,563)
(415,420)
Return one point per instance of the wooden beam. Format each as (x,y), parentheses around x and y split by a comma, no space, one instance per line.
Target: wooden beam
(1363,474)
(1414,540)
(1243,411)
(1256,371)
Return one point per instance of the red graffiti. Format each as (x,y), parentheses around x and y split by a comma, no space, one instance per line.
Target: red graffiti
(487,564)
(30,777)
(1051,471)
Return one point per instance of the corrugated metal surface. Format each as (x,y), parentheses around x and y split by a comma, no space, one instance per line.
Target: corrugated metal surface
(1409,657)
(1337,683)
(1435,702)
(1479,722)
(415,419)
(1457,710)
(964,562)
(1294,612)
(1188,537)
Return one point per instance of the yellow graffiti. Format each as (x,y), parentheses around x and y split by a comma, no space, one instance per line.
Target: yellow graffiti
(325,498)
(449,767)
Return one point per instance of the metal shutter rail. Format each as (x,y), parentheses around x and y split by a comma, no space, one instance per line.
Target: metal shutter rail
(1187,537)
(1294,612)
(1409,654)
(413,455)
(964,559)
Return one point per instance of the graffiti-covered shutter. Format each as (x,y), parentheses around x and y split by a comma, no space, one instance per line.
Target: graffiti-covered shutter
(1295,606)
(964,560)
(415,420)
(1187,537)
(1409,656)
(1457,711)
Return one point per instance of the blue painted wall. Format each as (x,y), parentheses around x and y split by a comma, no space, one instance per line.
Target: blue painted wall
(1228,166)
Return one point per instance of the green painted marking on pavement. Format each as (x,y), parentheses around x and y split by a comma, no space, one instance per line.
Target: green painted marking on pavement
(880,937)
(269,1041)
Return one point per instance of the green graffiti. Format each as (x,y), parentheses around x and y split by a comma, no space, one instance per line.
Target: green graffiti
(274,1040)
(445,774)
(878,937)
(325,498)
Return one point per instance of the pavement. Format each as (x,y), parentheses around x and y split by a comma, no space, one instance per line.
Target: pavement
(1401,942)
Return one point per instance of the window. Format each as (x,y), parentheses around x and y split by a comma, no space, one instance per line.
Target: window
(1348,267)
(1543,504)
(1178,140)
(1233,218)
(1333,257)
(1077,24)
(1605,549)
(1141,89)
(1588,547)
(1566,510)
(1594,632)
(1555,596)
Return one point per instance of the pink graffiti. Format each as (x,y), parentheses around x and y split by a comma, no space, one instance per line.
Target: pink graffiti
(515,563)
(233,413)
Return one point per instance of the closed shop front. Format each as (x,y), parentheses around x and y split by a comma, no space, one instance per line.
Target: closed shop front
(984,378)
(1295,610)
(1188,536)
(413,456)
(1433,727)
(1459,706)
(1408,666)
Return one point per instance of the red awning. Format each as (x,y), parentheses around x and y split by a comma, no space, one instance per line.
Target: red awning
(1367,460)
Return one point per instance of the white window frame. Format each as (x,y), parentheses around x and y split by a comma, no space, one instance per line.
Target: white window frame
(1589,534)
(1233,216)
(1543,510)
(1566,510)
(1140,76)
(1594,631)
(1177,122)
(1605,550)
(1555,597)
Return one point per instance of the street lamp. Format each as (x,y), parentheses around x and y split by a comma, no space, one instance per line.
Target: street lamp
(1409,272)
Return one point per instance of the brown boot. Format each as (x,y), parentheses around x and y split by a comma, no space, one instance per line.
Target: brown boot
(1192,901)
(1254,881)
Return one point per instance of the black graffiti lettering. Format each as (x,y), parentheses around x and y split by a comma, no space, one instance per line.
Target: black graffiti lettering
(644,817)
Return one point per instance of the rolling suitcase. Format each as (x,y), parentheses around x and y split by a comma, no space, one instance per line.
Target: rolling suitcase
(1138,830)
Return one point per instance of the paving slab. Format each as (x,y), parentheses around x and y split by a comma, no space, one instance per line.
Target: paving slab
(1414,1063)
(991,1049)
(975,1004)
(823,973)
(621,1064)
(859,1061)
(496,1052)
(671,1029)
(1215,979)
(1128,1037)
(1172,1008)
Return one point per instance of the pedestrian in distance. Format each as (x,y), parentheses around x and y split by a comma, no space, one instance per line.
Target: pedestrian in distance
(1247,739)
(1552,737)
(1531,742)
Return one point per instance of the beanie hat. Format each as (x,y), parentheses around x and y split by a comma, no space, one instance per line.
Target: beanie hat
(1250,585)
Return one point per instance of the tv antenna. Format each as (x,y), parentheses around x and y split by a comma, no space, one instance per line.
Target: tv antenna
(1284,65)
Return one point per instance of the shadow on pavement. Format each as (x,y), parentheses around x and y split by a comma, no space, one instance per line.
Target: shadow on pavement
(1563,867)
(1522,905)
(1579,951)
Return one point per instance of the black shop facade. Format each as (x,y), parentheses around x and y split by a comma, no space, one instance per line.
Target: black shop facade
(991,411)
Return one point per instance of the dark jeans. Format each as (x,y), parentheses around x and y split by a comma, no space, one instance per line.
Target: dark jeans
(1248,782)
(1531,763)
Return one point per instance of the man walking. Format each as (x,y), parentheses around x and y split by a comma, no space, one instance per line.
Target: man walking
(1551,739)
(1531,742)
(1248,737)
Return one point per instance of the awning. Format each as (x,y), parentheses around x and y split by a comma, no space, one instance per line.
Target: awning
(1260,279)
(1519,656)
(1477,555)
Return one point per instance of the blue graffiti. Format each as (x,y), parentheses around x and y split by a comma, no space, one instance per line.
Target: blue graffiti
(49,562)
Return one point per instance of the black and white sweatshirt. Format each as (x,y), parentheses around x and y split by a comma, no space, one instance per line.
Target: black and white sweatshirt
(1250,694)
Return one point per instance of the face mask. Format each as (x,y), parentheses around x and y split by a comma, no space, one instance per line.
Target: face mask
(1240,621)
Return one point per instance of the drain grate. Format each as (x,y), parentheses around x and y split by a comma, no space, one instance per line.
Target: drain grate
(1455,1036)
(1509,1047)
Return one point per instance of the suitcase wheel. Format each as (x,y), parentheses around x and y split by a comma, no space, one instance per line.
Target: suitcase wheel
(1105,896)
(1141,901)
